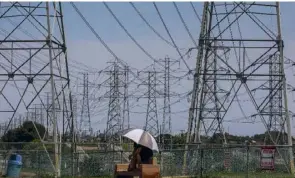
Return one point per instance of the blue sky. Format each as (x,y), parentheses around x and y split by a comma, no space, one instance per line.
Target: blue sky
(97,14)
(101,19)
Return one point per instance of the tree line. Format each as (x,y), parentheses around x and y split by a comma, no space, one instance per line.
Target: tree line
(28,133)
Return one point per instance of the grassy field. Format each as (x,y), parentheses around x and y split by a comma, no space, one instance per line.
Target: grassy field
(26,173)
(252,175)
(221,175)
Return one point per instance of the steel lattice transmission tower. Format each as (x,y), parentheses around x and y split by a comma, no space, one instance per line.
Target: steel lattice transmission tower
(85,122)
(166,125)
(117,78)
(34,60)
(126,111)
(275,106)
(152,123)
(240,51)
(166,129)
(75,113)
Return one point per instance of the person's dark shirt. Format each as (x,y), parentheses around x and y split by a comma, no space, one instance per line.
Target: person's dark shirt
(146,154)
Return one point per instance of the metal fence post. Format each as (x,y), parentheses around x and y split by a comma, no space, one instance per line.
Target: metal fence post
(161,163)
(78,165)
(202,156)
(38,163)
(247,166)
(113,157)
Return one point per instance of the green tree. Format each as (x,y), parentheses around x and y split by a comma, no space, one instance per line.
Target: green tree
(17,135)
(25,133)
(29,127)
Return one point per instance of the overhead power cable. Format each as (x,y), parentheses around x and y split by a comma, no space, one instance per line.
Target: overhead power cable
(94,32)
(168,32)
(196,13)
(184,24)
(104,44)
(130,36)
(150,26)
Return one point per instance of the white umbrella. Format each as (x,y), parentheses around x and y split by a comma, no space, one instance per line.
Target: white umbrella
(141,137)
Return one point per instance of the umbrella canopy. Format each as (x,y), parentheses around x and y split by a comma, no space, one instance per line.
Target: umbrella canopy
(141,137)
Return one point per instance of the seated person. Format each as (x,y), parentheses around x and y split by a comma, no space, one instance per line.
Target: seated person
(146,155)
(140,155)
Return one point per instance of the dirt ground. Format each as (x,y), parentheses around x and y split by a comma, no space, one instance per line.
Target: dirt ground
(88,148)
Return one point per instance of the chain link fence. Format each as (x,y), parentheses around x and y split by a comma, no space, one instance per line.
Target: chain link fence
(98,160)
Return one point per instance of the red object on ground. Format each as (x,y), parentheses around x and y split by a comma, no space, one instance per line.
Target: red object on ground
(267,157)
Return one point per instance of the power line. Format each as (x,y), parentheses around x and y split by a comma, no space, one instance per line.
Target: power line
(127,32)
(167,30)
(195,12)
(103,42)
(184,24)
(94,32)
(150,26)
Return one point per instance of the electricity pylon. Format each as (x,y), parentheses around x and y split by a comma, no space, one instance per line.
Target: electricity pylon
(117,88)
(85,120)
(152,124)
(126,111)
(231,61)
(166,129)
(33,61)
